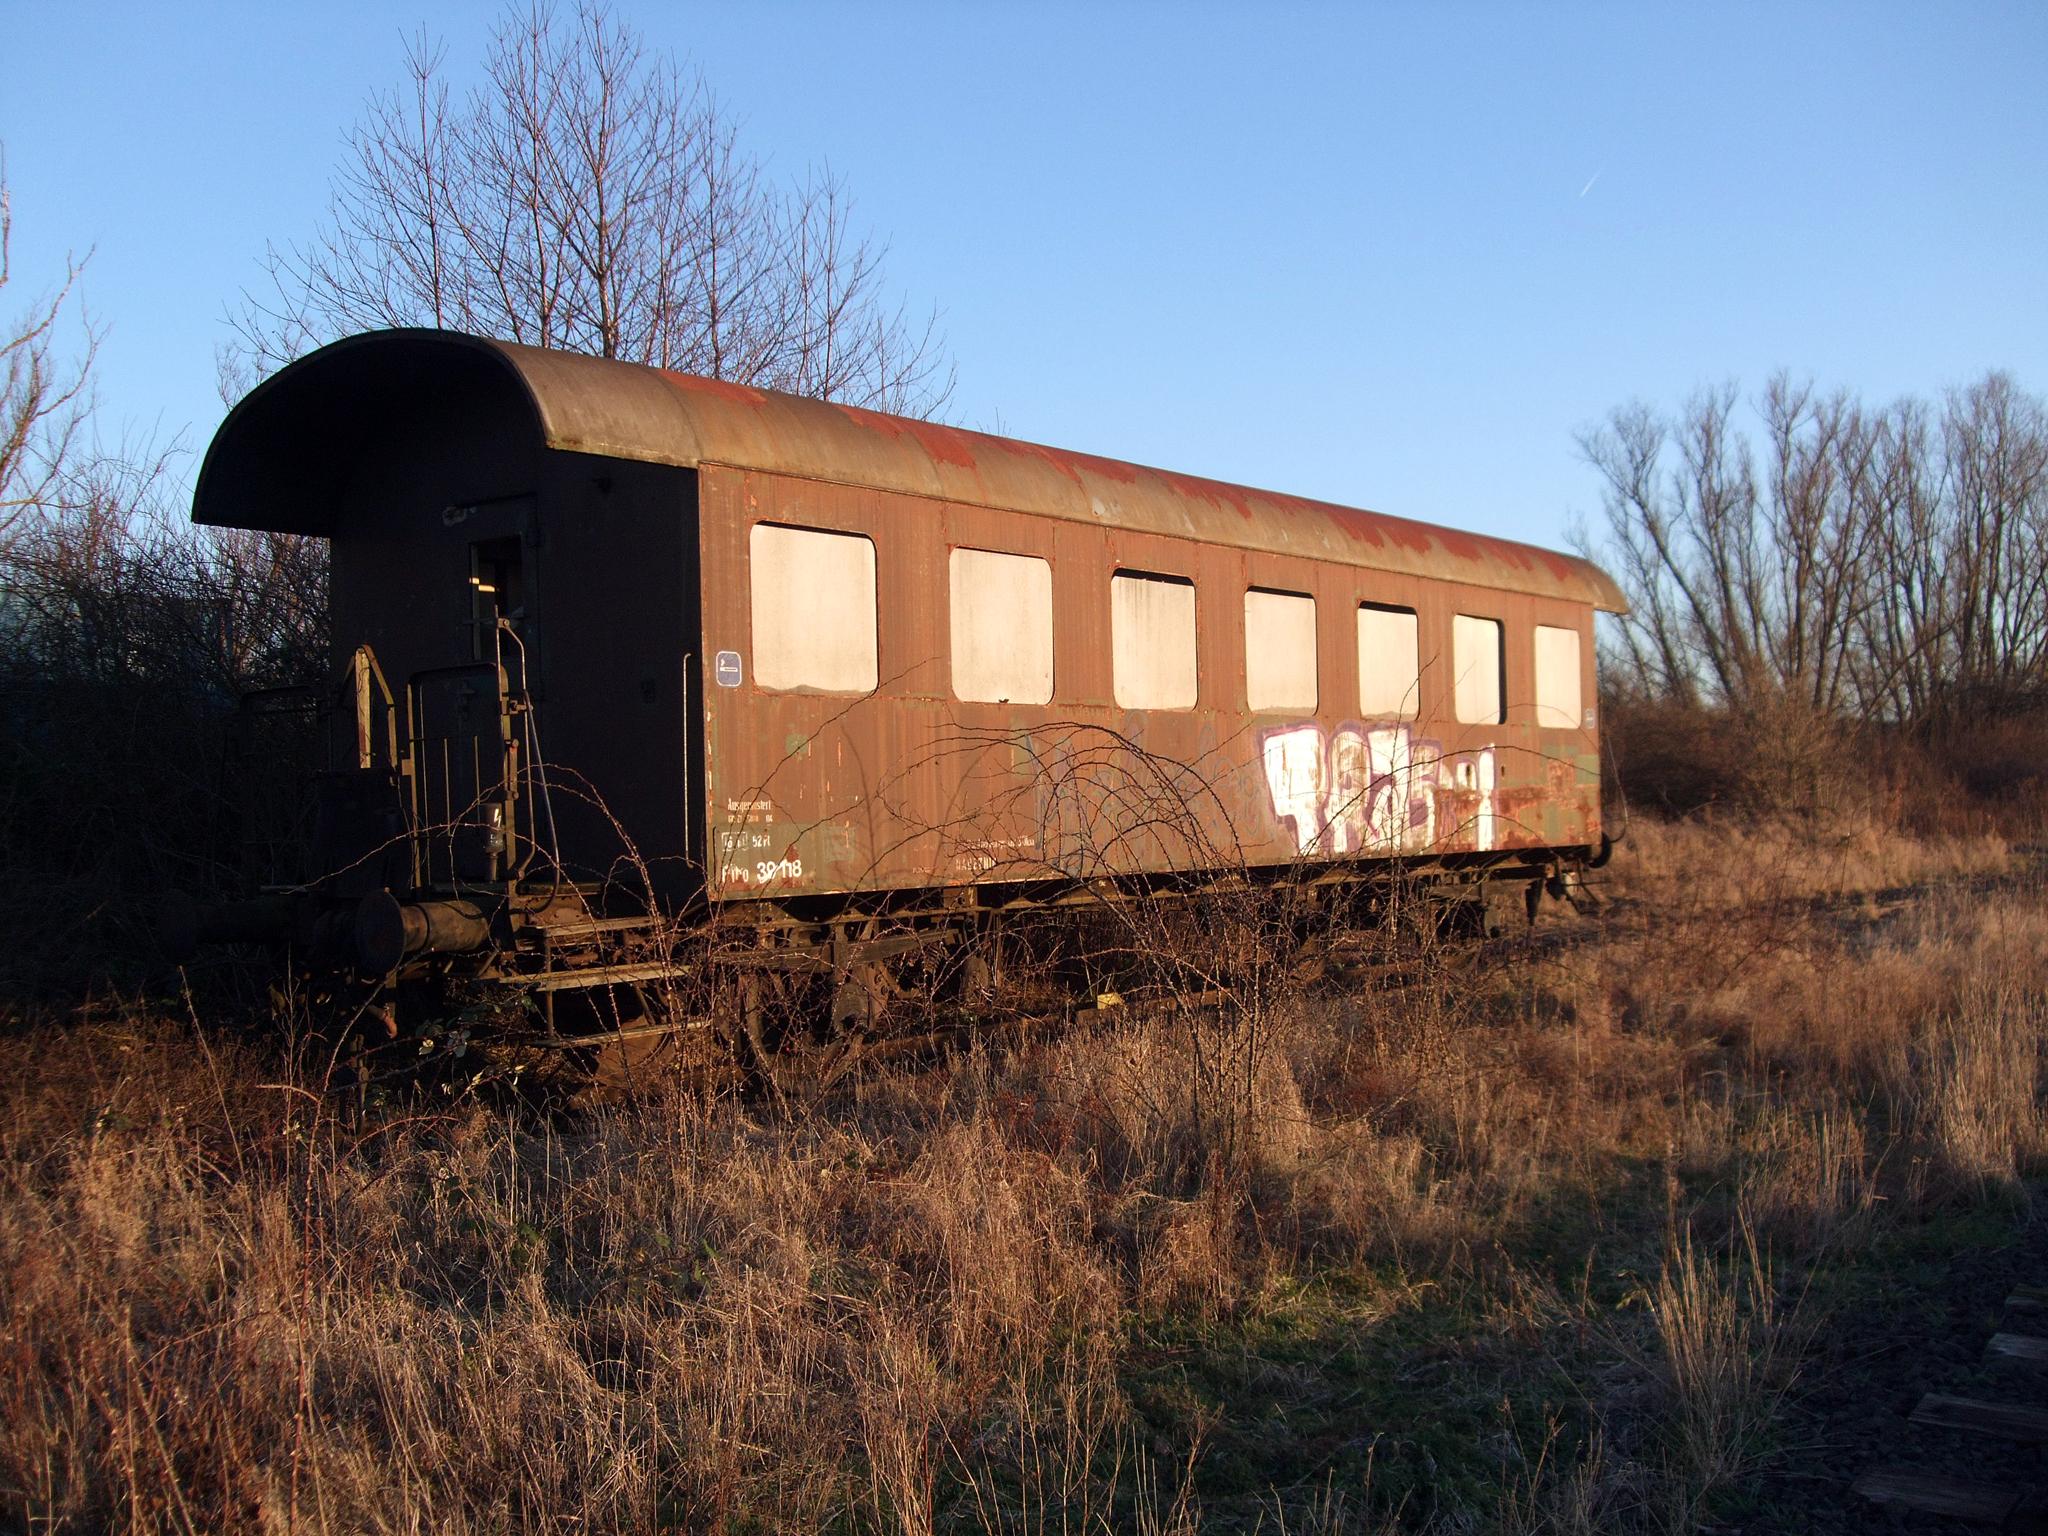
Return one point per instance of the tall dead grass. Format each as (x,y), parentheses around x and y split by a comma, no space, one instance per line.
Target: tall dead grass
(915,1304)
(1727,1351)
(1729,861)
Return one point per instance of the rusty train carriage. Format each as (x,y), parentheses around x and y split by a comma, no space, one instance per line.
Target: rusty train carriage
(556,581)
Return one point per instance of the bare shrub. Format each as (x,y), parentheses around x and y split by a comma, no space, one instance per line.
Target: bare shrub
(126,638)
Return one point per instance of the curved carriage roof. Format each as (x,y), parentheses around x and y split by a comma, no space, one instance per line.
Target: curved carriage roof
(265,466)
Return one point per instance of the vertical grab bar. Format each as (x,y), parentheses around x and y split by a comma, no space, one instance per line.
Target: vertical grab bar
(689,806)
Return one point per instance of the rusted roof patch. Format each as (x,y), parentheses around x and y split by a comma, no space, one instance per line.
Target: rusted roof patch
(593,405)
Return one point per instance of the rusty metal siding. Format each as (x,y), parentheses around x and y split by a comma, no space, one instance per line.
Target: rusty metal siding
(908,787)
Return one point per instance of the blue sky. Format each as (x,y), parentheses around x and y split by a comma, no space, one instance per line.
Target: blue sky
(1391,256)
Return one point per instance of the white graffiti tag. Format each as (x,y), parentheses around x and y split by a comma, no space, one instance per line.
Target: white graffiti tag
(1370,789)
(1294,775)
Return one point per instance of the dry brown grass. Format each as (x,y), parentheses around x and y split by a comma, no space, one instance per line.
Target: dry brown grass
(1732,861)
(932,1300)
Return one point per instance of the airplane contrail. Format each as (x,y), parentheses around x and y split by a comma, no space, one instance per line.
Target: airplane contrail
(1589,182)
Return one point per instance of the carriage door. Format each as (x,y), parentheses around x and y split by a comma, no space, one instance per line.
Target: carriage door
(468,728)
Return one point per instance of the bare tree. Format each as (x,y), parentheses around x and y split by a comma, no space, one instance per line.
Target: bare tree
(1905,644)
(1749,581)
(1886,563)
(1819,538)
(592,195)
(1995,453)
(45,397)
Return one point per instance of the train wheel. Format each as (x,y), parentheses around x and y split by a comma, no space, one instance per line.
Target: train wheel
(628,1055)
(747,1023)
(631,1068)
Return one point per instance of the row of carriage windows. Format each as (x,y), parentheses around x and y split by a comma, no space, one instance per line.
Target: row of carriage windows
(813,602)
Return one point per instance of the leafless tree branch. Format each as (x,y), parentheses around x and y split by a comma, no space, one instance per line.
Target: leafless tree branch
(45,397)
(591,194)
(1890,563)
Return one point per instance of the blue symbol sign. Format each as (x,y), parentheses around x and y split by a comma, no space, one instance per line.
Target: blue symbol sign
(725,669)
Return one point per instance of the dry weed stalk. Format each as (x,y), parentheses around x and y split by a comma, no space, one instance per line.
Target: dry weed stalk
(1726,1355)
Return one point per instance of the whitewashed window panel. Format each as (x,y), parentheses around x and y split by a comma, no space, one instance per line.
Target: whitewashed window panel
(1002,627)
(1476,659)
(813,599)
(1279,650)
(1152,641)
(1557,678)
(1389,664)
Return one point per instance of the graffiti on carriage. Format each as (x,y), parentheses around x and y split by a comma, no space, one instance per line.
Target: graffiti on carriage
(1376,788)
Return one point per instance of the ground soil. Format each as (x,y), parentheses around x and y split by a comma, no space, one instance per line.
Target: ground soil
(1913,1318)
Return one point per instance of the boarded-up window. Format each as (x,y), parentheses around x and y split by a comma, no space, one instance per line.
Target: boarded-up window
(1389,663)
(814,609)
(1557,678)
(1002,627)
(1279,650)
(1152,640)
(1476,654)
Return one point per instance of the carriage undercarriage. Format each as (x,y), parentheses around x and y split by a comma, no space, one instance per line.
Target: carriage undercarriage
(554,989)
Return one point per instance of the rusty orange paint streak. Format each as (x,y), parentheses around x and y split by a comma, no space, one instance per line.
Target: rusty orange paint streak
(717,389)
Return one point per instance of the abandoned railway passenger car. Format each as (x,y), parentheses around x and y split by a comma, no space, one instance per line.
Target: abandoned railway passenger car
(597,616)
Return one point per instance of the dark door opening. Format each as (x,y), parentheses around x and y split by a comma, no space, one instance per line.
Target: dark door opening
(497,586)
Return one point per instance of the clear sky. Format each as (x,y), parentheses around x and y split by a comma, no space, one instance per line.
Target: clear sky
(1390,256)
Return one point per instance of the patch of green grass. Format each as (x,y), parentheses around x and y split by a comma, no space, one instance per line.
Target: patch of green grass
(1410,1397)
